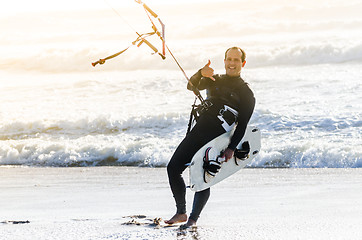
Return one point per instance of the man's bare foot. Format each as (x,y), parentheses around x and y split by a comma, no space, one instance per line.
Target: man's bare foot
(190,223)
(177,218)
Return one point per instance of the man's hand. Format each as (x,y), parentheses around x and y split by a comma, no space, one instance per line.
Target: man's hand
(228,153)
(207,71)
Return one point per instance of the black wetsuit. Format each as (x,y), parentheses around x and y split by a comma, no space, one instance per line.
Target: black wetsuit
(225,90)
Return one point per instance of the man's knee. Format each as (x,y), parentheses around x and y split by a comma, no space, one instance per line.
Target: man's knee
(173,168)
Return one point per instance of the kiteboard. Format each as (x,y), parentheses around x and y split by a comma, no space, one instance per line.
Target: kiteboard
(247,149)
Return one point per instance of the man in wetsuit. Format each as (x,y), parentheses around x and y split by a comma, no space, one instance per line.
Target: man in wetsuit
(227,91)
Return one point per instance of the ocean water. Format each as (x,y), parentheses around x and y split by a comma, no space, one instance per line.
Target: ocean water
(303,64)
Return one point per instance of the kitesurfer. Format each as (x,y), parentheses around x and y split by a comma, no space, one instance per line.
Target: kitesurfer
(228,97)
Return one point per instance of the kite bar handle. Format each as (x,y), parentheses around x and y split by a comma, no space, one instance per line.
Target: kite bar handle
(100,61)
(152,47)
(150,11)
(147,8)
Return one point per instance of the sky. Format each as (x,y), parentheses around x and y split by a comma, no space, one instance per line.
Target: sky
(22,6)
(270,31)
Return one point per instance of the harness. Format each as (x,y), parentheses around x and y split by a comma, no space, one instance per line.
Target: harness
(227,115)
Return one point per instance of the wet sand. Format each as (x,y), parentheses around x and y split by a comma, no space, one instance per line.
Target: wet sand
(121,203)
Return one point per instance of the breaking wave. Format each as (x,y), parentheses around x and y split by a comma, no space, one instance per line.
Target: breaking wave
(150,141)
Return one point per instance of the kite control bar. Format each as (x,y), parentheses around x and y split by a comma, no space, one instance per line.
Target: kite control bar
(142,37)
(160,35)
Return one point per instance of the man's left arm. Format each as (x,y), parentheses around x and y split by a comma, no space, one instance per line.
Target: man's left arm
(245,111)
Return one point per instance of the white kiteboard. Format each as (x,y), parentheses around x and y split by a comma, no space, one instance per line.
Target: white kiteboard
(250,145)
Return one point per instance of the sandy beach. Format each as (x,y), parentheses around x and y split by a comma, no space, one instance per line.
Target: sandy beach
(98,202)
(84,150)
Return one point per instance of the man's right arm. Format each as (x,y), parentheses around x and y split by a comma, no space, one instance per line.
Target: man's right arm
(195,81)
(200,79)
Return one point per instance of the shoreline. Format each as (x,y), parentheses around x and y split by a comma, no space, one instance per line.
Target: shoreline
(96,202)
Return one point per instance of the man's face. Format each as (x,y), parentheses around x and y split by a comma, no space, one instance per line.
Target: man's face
(233,63)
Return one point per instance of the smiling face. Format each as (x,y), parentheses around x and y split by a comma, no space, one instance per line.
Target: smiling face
(233,62)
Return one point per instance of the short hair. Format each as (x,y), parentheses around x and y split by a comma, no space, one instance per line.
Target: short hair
(243,55)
